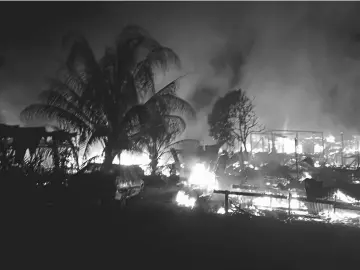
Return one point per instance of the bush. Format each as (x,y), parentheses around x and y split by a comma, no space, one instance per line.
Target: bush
(91,189)
(155,181)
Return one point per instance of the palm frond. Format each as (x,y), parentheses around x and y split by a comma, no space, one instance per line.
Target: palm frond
(87,161)
(144,79)
(178,105)
(62,101)
(77,82)
(94,138)
(136,117)
(80,53)
(127,96)
(81,61)
(162,58)
(75,152)
(49,112)
(57,99)
(171,87)
(62,94)
(174,124)
(127,44)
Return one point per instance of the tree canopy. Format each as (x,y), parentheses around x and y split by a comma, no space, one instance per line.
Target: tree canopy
(105,101)
(233,118)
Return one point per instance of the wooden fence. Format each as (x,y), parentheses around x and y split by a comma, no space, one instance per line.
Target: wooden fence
(335,203)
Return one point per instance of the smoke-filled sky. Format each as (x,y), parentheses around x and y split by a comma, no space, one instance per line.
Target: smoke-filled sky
(301,60)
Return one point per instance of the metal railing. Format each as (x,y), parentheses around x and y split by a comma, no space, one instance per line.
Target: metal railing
(334,203)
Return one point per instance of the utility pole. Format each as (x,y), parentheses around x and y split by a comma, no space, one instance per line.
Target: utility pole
(358,152)
(323,145)
(273,150)
(342,149)
(251,144)
(296,155)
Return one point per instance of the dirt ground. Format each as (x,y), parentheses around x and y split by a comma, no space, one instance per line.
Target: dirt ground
(152,232)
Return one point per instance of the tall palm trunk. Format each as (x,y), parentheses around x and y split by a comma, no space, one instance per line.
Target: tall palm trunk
(153,164)
(109,157)
(56,155)
(154,157)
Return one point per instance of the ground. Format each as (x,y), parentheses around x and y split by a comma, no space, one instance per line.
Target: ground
(152,232)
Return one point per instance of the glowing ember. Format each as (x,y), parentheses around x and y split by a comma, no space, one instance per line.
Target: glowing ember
(266,202)
(236,164)
(300,210)
(318,148)
(345,198)
(147,170)
(166,172)
(128,158)
(289,145)
(341,216)
(221,211)
(202,178)
(183,199)
(330,139)
(304,176)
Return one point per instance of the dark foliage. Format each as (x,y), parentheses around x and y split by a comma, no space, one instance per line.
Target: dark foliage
(233,118)
(107,101)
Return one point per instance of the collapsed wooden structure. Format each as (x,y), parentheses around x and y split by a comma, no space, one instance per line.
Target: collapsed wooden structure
(334,203)
(205,153)
(21,139)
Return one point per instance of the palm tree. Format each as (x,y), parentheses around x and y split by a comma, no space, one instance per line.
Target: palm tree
(104,100)
(159,136)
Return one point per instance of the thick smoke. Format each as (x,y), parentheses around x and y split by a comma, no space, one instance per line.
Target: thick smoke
(203,97)
(299,59)
(233,56)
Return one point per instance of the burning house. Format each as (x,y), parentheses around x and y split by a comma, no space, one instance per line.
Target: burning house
(334,151)
(291,171)
(17,141)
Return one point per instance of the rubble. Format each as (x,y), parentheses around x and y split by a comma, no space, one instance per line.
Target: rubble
(316,193)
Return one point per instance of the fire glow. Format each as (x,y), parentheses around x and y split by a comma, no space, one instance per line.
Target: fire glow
(203,179)
(200,177)
(299,209)
(183,199)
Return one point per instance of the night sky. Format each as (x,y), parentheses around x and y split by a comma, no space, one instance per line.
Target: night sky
(301,60)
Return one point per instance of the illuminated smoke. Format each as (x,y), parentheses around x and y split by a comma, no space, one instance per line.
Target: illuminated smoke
(300,60)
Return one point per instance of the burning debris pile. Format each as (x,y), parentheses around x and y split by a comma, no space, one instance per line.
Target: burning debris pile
(328,151)
(278,185)
(338,208)
(200,183)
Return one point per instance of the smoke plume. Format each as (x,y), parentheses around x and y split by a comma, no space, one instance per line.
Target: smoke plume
(299,59)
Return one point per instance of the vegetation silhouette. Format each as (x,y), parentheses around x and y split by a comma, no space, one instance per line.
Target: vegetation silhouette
(112,101)
(233,118)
